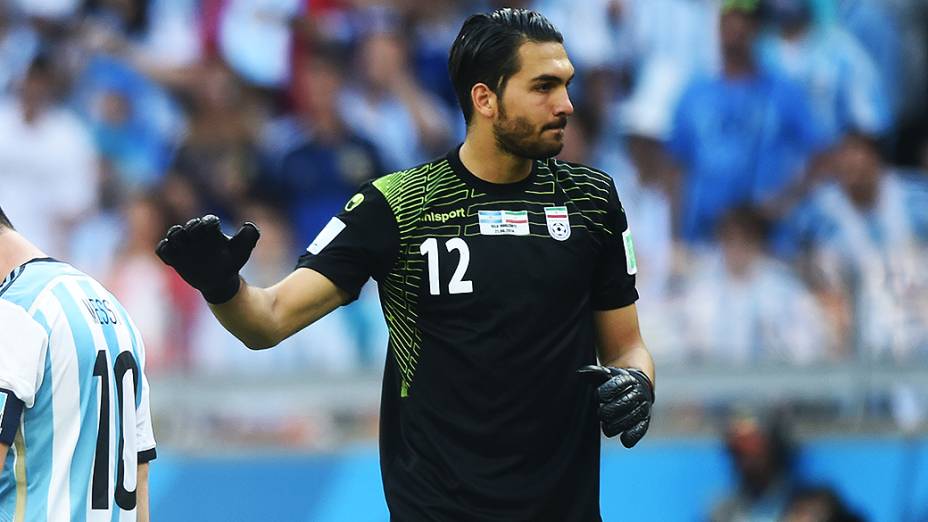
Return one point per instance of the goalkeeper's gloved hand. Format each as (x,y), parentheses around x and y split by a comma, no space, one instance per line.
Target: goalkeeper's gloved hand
(206,258)
(625,398)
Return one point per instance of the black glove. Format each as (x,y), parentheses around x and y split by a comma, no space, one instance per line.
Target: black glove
(206,258)
(625,399)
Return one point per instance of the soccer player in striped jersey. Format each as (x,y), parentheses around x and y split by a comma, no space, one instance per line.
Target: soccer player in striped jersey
(502,273)
(75,427)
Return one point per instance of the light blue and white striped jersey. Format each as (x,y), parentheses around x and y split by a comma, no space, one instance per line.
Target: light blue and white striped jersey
(77,362)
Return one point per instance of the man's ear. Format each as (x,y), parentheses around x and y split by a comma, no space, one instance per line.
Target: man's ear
(484,100)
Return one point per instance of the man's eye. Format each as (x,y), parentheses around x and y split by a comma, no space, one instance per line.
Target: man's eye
(544,87)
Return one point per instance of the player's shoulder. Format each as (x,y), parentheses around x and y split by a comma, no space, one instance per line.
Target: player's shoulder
(590,181)
(18,324)
(396,184)
(578,171)
(11,312)
(34,281)
(31,279)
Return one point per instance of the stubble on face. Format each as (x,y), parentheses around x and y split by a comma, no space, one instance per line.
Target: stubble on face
(519,137)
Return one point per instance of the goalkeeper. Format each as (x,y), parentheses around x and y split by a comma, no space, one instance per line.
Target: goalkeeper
(504,276)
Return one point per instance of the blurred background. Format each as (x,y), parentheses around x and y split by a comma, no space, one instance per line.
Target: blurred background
(772,157)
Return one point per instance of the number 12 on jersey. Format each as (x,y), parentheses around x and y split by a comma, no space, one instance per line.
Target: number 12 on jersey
(457,285)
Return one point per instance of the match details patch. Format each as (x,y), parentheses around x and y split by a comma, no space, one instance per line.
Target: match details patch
(631,262)
(503,222)
(558,222)
(326,235)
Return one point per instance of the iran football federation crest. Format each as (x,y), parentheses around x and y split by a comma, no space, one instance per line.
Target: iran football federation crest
(558,222)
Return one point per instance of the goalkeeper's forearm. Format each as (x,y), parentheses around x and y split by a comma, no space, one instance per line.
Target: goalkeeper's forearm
(263,317)
(250,316)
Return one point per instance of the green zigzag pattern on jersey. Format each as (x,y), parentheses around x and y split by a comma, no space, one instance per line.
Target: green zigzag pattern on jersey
(408,193)
(593,186)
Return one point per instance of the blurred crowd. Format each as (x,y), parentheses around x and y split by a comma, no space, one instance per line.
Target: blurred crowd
(771,156)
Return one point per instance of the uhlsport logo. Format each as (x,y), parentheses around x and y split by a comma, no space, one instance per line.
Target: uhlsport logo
(441,217)
(558,222)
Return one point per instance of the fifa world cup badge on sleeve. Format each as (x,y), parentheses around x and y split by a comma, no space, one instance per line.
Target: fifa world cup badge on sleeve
(558,222)
(631,263)
(326,235)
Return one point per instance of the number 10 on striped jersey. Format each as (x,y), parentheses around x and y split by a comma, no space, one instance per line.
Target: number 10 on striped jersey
(100,482)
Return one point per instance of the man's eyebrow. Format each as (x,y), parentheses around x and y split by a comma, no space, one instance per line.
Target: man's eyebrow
(550,78)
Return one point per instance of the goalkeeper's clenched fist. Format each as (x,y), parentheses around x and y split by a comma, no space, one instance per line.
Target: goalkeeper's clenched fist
(206,258)
(625,398)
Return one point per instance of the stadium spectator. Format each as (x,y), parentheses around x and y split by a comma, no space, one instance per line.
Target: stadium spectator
(327,161)
(49,175)
(761,452)
(19,43)
(745,308)
(255,38)
(52,10)
(134,121)
(683,31)
(867,232)
(650,187)
(668,43)
(876,26)
(434,26)
(843,85)
(818,504)
(219,154)
(388,108)
(596,26)
(741,137)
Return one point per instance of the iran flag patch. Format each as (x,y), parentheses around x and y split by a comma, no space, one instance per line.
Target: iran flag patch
(558,222)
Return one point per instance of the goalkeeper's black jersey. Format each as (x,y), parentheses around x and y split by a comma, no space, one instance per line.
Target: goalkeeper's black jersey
(488,291)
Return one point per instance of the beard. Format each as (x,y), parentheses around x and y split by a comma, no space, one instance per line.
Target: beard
(519,137)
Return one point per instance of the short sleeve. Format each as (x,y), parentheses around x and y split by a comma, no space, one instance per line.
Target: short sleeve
(616,265)
(22,352)
(144,435)
(360,243)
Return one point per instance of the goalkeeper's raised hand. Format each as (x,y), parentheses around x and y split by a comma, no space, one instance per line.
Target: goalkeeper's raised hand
(625,398)
(206,258)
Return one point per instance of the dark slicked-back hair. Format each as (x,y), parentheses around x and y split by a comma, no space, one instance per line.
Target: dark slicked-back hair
(487,50)
(4,221)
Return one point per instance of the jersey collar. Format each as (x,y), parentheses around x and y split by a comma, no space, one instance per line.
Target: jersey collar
(19,270)
(468,177)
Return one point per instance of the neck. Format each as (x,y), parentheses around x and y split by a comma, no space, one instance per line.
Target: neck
(483,157)
(865,198)
(327,128)
(737,67)
(15,250)
(30,113)
(794,32)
